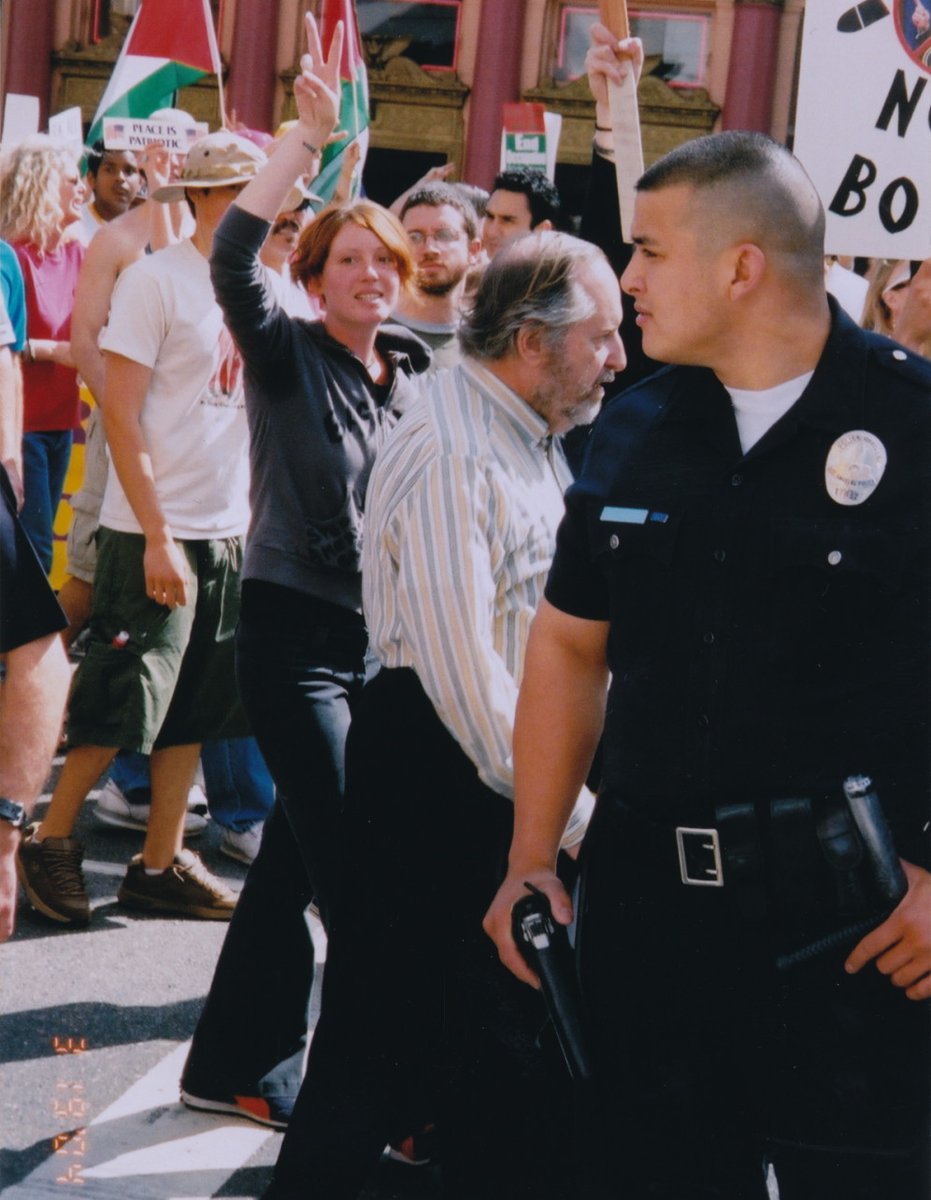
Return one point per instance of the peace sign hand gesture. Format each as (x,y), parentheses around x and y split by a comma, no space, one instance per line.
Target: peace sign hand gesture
(317,88)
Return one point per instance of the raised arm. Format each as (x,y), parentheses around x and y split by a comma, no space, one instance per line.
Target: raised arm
(317,95)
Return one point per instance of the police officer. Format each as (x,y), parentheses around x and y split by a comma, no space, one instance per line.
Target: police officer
(747,553)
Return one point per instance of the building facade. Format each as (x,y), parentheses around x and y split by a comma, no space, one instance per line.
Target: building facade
(440,70)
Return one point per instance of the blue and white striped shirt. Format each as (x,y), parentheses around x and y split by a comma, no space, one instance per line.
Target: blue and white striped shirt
(462,510)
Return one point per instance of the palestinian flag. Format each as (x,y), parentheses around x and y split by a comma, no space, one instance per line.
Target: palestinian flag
(354,106)
(170,44)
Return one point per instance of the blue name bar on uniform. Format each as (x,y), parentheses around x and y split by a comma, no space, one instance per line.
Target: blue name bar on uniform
(625,516)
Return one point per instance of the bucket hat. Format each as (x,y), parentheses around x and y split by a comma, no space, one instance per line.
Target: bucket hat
(216,160)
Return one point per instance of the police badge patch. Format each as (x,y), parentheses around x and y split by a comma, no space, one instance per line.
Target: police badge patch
(854,467)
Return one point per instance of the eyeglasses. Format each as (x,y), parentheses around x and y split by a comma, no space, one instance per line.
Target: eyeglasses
(286,226)
(442,235)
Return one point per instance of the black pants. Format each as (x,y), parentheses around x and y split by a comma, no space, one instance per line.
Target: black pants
(711,1063)
(420,1022)
(301,666)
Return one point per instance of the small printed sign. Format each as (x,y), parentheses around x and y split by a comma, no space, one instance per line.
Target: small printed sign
(66,126)
(529,138)
(133,133)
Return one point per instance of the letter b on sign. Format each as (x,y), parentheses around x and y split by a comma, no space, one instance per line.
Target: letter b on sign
(898,201)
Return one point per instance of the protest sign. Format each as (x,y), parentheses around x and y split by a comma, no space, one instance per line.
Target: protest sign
(132,133)
(67,127)
(625,119)
(863,123)
(523,137)
(20,119)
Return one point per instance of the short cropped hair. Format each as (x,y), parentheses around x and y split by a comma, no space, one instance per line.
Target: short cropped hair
(313,248)
(533,280)
(760,192)
(432,195)
(542,196)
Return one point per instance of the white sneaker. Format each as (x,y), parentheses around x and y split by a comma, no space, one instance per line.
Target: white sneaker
(112,808)
(242,846)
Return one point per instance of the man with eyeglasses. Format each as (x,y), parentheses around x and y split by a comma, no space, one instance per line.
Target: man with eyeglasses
(443,228)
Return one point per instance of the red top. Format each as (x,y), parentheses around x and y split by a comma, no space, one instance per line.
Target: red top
(50,392)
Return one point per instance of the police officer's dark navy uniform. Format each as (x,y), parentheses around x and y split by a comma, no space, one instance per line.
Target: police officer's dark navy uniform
(767,639)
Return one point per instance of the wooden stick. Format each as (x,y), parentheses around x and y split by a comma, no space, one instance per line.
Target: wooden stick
(625,119)
(614,17)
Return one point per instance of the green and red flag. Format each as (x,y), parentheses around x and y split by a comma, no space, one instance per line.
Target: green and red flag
(354,102)
(170,44)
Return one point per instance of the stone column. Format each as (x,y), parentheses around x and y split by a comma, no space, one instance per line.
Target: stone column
(253,62)
(29,52)
(751,76)
(496,82)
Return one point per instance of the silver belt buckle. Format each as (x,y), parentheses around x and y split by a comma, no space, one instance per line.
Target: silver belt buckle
(699,844)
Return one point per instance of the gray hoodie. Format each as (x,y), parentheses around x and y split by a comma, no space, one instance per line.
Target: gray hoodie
(316,421)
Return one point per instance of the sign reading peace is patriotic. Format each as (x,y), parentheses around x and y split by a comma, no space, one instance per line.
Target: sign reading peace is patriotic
(863,123)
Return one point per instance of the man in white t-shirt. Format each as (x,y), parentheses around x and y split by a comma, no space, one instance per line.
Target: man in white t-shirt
(158,675)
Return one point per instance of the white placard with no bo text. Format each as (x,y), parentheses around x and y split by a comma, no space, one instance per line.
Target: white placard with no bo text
(863,123)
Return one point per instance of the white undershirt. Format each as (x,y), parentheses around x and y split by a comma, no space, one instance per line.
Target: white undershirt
(757,412)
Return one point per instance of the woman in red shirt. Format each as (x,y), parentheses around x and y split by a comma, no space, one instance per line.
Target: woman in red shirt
(40,198)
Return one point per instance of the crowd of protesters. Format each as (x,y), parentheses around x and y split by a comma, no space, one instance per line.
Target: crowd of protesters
(265,369)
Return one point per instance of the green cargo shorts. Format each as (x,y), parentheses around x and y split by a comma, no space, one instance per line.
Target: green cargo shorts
(153,676)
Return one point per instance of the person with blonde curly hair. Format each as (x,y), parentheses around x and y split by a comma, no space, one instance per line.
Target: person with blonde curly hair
(41,194)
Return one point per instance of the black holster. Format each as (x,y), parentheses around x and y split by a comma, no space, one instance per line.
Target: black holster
(819,872)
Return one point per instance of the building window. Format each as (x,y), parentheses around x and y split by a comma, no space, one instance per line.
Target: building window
(678,38)
(102,9)
(427,32)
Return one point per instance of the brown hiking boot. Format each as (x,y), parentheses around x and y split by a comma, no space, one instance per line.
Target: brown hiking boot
(51,875)
(186,889)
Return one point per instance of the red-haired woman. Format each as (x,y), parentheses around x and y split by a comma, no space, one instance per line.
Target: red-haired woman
(320,398)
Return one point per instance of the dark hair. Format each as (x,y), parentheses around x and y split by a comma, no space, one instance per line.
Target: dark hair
(476,196)
(533,280)
(433,195)
(756,191)
(542,196)
(97,153)
(95,156)
(315,242)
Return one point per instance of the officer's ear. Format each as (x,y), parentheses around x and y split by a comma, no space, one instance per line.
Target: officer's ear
(747,267)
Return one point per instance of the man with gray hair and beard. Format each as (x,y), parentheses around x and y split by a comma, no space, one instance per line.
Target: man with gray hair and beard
(462,511)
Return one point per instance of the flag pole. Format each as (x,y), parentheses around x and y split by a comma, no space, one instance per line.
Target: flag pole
(625,119)
(217,60)
(221,99)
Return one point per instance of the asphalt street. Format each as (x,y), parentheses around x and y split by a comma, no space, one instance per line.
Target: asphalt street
(94,1026)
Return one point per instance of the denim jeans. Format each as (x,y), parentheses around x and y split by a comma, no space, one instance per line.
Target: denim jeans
(301,666)
(46,455)
(239,788)
(240,791)
(130,773)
